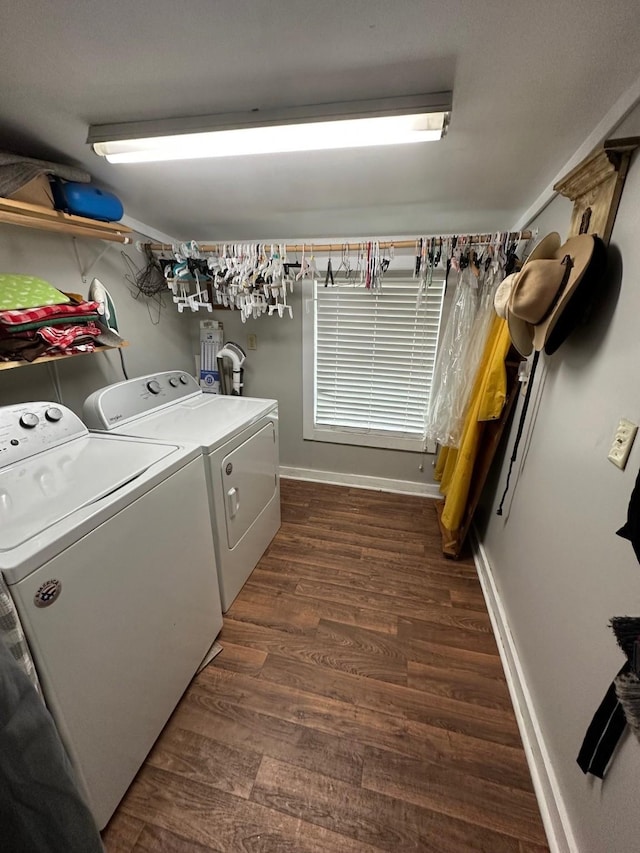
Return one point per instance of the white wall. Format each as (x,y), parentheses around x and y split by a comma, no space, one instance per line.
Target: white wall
(560,569)
(275,370)
(152,347)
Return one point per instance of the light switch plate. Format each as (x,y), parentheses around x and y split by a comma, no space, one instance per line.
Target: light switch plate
(622,443)
(252,342)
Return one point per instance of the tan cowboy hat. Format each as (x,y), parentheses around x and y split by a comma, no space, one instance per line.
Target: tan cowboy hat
(543,287)
(541,250)
(502,294)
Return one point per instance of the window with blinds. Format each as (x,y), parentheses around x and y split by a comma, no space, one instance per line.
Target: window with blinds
(373,360)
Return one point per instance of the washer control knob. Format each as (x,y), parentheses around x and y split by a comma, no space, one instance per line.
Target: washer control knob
(184,379)
(173,382)
(53,414)
(29,420)
(154,386)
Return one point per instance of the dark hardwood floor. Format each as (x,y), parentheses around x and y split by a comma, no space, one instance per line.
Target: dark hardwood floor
(359,703)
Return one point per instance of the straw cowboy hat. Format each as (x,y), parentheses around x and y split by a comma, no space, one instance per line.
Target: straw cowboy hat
(532,301)
(548,244)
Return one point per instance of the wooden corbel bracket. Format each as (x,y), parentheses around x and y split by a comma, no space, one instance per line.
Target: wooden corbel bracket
(595,187)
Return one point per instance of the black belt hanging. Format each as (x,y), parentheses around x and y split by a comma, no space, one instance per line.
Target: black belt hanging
(604,732)
(329,276)
(523,417)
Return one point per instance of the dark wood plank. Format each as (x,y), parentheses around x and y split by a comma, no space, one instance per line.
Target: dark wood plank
(295,614)
(297,547)
(239,658)
(280,611)
(431,561)
(525,847)
(354,533)
(446,790)
(156,840)
(264,579)
(459,684)
(452,657)
(357,575)
(451,626)
(243,728)
(472,599)
(337,514)
(321,649)
(360,597)
(440,711)
(196,758)
(121,833)
(367,642)
(238,695)
(200,813)
(375,819)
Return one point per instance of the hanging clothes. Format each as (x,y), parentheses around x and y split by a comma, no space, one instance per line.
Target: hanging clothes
(488,284)
(445,413)
(454,467)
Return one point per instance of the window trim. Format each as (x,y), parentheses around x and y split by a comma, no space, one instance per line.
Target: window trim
(391,440)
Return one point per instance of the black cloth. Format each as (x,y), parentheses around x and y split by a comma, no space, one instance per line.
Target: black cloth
(631,529)
(610,720)
(523,419)
(604,733)
(41,809)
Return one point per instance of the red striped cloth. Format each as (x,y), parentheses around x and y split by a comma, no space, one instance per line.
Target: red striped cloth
(32,315)
(63,337)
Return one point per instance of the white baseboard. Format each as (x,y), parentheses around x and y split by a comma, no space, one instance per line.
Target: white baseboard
(552,807)
(362,481)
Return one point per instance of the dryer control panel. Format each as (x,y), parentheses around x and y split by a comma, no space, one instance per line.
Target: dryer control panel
(29,428)
(117,404)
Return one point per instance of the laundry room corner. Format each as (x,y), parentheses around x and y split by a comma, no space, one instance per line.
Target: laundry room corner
(275,370)
(157,338)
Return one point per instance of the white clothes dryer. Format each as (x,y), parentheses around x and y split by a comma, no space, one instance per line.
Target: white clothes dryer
(107,551)
(239,441)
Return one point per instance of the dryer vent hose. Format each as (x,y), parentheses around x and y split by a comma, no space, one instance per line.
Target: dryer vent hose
(237,357)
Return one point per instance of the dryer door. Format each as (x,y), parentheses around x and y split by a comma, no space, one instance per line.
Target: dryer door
(249,481)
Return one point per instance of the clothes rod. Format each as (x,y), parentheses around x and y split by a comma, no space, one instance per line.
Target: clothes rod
(310,246)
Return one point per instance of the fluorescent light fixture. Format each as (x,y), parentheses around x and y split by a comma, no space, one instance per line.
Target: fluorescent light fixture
(313,136)
(391,121)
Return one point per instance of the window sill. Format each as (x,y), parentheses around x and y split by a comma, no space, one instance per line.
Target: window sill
(413,444)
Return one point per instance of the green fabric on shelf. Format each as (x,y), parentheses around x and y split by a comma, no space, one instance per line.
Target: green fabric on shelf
(27,291)
(52,321)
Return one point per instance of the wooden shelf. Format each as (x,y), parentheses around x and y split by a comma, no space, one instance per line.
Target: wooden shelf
(10,365)
(27,215)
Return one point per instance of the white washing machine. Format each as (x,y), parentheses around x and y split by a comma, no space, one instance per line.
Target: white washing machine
(107,551)
(239,441)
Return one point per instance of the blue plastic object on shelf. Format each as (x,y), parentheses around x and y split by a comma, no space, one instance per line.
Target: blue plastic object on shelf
(86,200)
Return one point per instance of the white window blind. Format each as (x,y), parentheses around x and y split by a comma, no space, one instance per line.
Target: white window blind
(374,355)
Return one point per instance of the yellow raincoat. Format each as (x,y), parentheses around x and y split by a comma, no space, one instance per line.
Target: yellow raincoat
(454,467)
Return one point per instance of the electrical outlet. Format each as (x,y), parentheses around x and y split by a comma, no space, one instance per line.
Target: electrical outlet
(622,443)
(252,342)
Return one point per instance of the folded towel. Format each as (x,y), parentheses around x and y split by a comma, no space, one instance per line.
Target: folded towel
(16,171)
(48,312)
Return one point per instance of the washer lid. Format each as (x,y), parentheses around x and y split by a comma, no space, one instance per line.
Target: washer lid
(205,420)
(40,491)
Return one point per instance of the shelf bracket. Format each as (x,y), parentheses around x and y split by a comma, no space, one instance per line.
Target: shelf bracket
(84,271)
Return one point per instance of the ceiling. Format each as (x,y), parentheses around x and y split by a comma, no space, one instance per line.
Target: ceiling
(530,81)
